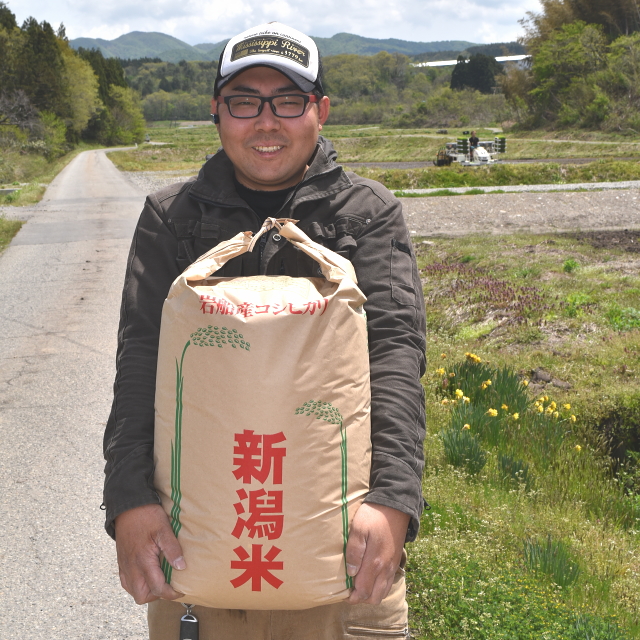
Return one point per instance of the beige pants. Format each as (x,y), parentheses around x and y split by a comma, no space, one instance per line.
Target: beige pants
(330,622)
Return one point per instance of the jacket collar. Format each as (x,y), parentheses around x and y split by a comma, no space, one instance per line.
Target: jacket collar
(324,177)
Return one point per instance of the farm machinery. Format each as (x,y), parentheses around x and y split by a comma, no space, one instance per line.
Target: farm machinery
(487,152)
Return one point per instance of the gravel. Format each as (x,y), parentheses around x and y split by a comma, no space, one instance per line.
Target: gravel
(150,181)
(524,208)
(581,186)
(523,212)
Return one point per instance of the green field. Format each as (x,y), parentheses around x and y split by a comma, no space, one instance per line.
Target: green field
(186,148)
(524,302)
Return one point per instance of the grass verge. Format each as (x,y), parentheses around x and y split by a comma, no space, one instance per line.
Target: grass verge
(8,229)
(501,175)
(534,530)
(34,173)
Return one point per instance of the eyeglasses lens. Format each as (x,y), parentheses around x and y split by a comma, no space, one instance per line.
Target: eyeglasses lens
(283,106)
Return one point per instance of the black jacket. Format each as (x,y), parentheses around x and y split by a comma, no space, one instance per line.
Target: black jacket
(358,219)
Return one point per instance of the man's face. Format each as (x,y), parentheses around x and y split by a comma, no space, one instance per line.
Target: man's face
(267,152)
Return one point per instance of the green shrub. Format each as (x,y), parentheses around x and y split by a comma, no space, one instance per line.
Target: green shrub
(570,265)
(463,450)
(553,559)
(592,628)
(514,470)
(623,319)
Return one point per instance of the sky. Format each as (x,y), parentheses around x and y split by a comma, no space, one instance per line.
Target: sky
(195,21)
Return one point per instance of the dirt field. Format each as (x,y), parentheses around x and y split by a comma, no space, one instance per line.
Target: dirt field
(531,212)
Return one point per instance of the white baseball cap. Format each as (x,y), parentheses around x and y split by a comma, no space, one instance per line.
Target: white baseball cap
(274,45)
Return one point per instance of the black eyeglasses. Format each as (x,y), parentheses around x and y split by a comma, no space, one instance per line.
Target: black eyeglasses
(291,106)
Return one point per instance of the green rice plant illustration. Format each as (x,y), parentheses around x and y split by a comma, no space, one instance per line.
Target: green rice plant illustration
(209,336)
(219,337)
(327,412)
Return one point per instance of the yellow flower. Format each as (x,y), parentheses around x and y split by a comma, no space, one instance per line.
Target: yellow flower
(492,412)
(555,414)
(445,402)
(572,418)
(549,410)
(540,408)
(516,415)
(487,382)
(525,383)
(452,375)
(567,407)
(443,355)
(484,386)
(473,357)
(505,407)
(553,406)
(459,393)
(466,426)
(466,400)
(578,447)
(440,371)
(542,399)
(546,398)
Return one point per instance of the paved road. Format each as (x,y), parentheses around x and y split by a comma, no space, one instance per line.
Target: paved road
(60,284)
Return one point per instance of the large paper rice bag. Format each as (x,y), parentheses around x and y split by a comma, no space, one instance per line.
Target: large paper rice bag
(262,431)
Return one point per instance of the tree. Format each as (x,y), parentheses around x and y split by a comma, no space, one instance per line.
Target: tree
(121,120)
(459,74)
(617,17)
(477,73)
(564,63)
(39,66)
(109,71)
(7,18)
(81,92)
(16,110)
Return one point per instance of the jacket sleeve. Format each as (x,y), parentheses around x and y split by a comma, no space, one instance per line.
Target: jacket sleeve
(128,438)
(387,274)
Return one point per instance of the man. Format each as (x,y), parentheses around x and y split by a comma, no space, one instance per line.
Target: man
(269,107)
(474,141)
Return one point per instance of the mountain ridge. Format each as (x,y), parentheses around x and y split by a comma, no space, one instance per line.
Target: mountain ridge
(153,44)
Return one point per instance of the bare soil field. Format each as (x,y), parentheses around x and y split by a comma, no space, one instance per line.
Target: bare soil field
(499,213)
(503,213)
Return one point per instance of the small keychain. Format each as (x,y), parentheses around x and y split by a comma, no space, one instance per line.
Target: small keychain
(188,624)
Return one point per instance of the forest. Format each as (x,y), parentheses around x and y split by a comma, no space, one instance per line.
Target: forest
(52,97)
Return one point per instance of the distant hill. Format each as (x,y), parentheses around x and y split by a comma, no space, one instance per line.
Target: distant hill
(139,44)
(350,43)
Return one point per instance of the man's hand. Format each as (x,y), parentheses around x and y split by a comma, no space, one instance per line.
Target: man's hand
(374,550)
(141,535)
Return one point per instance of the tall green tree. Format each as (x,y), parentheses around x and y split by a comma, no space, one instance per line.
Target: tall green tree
(7,17)
(563,68)
(109,71)
(39,66)
(616,17)
(479,73)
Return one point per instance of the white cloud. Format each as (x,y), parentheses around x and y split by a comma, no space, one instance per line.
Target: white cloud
(194,21)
